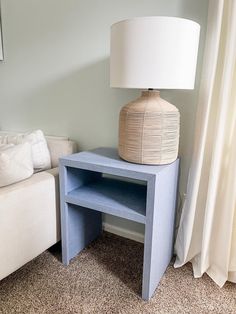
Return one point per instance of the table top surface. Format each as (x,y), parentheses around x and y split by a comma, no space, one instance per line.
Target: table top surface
(108,157)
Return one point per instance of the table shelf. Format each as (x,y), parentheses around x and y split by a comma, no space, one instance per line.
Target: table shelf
(119,198)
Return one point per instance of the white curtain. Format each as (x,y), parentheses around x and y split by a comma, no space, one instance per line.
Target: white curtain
(207,232)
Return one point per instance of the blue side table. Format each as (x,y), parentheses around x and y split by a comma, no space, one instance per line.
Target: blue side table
(92,183)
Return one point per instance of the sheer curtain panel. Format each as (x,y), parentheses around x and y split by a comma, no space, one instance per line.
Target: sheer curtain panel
(207,232)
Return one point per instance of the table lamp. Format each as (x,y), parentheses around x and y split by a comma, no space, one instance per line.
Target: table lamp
(151,53)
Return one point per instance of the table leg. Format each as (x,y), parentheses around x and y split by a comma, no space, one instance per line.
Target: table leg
(159,228)
(80,226)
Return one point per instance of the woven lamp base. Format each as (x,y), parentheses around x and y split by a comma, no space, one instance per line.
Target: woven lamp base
(149,130)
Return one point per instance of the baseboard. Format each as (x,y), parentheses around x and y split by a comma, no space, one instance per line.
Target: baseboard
(133,235)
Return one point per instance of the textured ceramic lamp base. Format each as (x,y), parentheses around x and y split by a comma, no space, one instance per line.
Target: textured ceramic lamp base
(149,130)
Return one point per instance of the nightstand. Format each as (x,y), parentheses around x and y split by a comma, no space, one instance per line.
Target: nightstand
(98,181)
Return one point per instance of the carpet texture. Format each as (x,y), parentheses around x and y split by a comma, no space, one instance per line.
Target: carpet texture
(106,278)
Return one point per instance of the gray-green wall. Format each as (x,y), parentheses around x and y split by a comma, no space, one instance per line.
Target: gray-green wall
(55,75)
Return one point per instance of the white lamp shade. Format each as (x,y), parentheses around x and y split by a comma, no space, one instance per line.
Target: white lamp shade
(154,52)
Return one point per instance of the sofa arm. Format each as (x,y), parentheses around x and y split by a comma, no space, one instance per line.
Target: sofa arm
(29,219)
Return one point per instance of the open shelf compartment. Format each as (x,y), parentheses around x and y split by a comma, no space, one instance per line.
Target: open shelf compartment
(109,195)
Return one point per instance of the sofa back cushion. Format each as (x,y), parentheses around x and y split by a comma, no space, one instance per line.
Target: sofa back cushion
(56,146)
(15,163)
(60,146)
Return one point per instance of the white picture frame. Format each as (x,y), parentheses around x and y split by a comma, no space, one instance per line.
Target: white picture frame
(1,44)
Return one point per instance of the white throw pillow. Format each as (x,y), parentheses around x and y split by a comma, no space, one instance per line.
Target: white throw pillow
(40,153)
(15,163)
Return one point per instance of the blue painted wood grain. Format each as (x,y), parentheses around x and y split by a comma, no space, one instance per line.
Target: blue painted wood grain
(86,193)
(159,229)
(118,198)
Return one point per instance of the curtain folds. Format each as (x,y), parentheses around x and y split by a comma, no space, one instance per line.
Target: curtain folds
(207,231)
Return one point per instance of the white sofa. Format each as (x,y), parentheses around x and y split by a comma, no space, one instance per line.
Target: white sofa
(29,212)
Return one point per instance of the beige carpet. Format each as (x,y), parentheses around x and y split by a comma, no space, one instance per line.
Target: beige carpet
(106,278)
